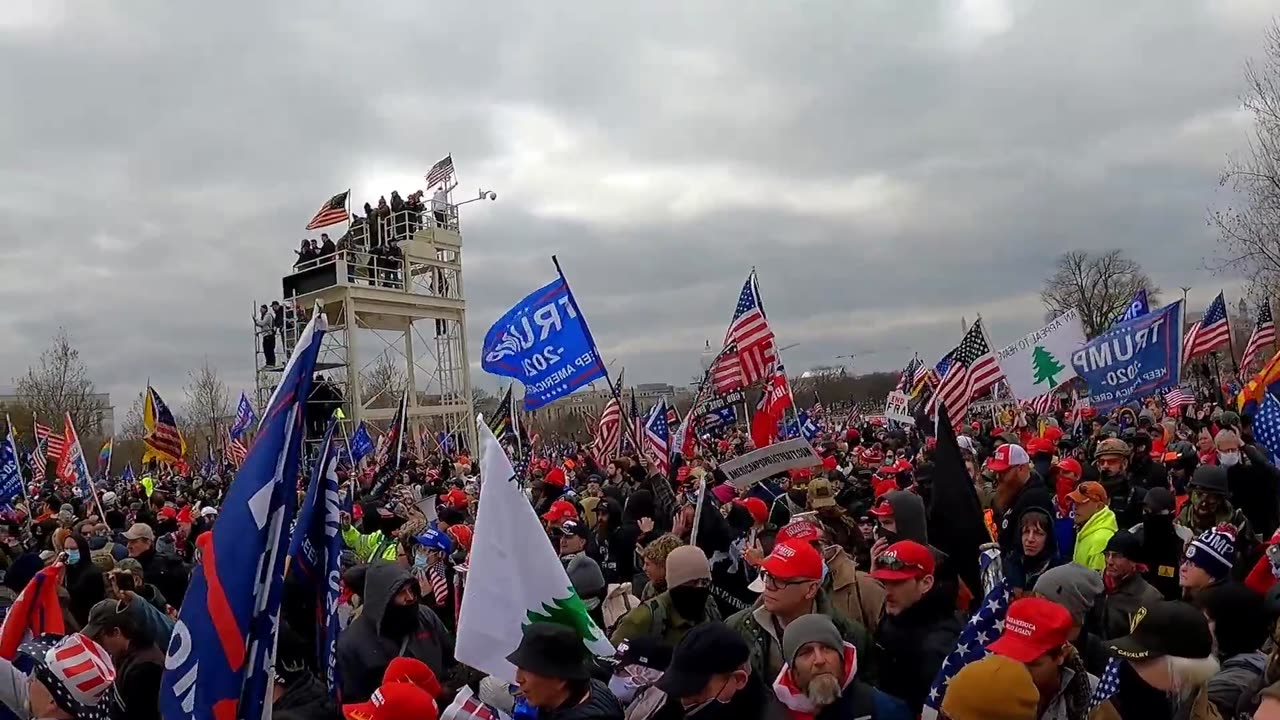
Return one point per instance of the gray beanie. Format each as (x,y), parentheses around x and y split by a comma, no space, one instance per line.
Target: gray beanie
(1074,587)
(808,629)
(585,576)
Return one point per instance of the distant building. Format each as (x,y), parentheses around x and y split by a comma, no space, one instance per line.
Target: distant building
(590,403)
(102,425)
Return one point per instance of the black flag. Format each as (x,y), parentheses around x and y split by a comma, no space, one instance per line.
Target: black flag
(956,524)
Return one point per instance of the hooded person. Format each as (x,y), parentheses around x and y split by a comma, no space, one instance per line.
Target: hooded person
(1037,550)
(820,678)
(84,580)
(1240,626)
(374,540)
(1162,541)
(617,559)
(392,624)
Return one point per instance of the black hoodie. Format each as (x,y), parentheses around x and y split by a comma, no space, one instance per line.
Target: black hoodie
(369,644)
(84,583)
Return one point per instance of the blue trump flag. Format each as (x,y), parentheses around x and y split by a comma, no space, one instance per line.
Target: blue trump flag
(314,552)
(245,418)
(361,444)
(10,473)
(220,657)
(544,343)
(1137,308)
(1134,359)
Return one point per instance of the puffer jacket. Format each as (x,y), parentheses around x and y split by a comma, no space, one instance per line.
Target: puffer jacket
(366,647)
(600,705)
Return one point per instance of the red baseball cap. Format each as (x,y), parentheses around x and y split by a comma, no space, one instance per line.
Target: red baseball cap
(397,701)
(555,477)
(800,530)
(1007,456)
(829,462)
(414,672)
(1040,445)
(1052,434)
(794,560)
(1033,627)
(754,505)
(904,560)
(560,511)
(1070,465)
(883,509)
(902,466)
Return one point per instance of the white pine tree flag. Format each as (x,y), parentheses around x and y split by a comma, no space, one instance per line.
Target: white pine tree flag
(514,576)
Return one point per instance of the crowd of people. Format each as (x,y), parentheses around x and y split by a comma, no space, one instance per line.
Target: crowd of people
(1131,559)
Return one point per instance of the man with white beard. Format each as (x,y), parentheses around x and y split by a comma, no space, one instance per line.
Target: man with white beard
(820,679)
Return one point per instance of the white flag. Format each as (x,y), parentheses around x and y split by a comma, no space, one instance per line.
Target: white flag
(514,576)
(1041,362)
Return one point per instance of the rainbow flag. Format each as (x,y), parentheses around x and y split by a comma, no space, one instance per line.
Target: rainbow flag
(104,457)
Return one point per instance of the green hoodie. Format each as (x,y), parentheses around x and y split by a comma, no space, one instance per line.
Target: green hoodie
(1091,541)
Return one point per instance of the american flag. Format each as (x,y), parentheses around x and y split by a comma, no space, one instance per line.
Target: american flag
(1108,685)
(1176,397)
(440,172)
(751,351)
(1044,404)
(657,437)
(235,452)
(466,706)
(38,462)
(1211,332)
(439,585)
(1264,334)
(609,434)
(1266,424)
(55,443)
(162,439)
(983,628)
(912,374)
(971,369)
(332,212)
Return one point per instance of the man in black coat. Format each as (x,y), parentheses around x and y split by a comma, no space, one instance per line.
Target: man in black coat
(392,624)
(166,572)
(1018,489)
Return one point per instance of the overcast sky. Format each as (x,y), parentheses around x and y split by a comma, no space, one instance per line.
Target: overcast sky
(888,166)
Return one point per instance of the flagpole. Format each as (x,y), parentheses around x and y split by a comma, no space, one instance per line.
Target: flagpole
(586,330)
(13,448)
(1231,341)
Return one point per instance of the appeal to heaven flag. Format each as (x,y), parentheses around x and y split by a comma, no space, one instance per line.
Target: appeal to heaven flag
(1041,361)
(515,577)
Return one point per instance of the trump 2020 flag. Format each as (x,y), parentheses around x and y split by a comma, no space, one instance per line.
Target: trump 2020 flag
(515,577)
(245,418)
(314,552)
(544,343)
(10,473)
(361,444)
(220,657)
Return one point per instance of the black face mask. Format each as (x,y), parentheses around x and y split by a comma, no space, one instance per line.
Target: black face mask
(690,602)
(744,703)
(799,497)
(399,620)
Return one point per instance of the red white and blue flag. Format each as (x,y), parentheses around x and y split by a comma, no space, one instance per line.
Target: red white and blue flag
(222,651)
(1264,335)
(35,612)
(1211,332)
(73,467)
(750,352)
(970,370)
(657,437)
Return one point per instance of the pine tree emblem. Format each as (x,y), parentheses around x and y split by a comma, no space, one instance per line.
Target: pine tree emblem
(569,612)
(1045,366)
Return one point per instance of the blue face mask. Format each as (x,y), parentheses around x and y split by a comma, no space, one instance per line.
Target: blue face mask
(73,557)
(419,560)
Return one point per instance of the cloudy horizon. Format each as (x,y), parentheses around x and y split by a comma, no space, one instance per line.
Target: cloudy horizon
(889,168)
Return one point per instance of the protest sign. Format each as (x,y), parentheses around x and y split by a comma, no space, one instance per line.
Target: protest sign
(1040,362)
(895,408)
(749,469)
(1133,359)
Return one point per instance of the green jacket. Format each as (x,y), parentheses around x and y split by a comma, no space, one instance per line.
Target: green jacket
(754,625)
(1091,541)
(364,546)
(657,618)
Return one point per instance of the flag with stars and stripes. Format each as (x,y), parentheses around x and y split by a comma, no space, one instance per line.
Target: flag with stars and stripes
(1108,685)
(750,352)
(1211,332)
(1179,395)
(1266,424)
(971,369)
(657,437)
(983,628)
(1264,334)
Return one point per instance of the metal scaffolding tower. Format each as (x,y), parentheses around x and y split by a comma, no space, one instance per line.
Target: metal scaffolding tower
(393,295)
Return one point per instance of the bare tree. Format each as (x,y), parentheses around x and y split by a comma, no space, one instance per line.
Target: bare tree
(60,384)
(1099,287)
(1249,230)
(208,404)
(133,428)
(382,382)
